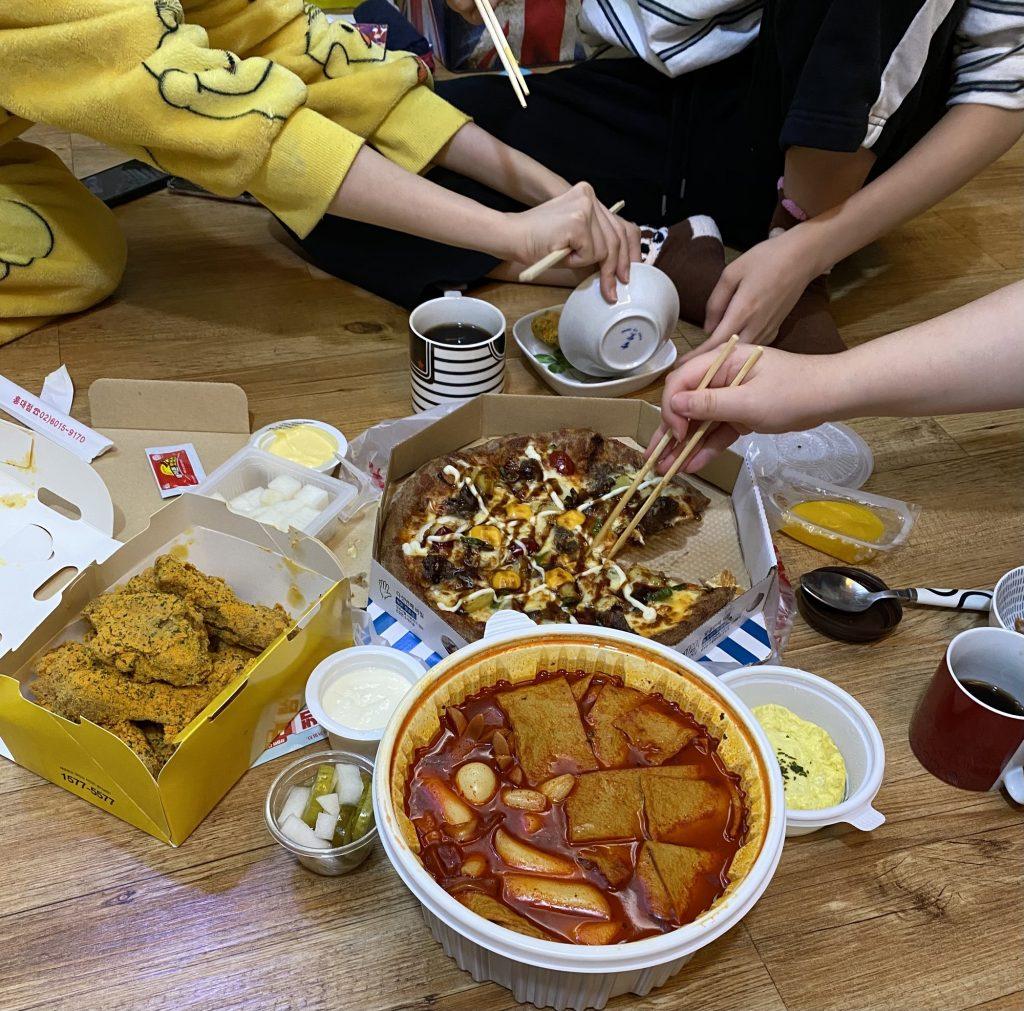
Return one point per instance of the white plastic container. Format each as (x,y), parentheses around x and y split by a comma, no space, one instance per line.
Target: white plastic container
(845,720)
(263,436)
(549,973)
(252,468)
(1008,600)
(363,742)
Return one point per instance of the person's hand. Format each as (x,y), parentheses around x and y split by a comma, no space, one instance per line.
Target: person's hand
(757,291)
(783,392)
(466,9)
(578,221)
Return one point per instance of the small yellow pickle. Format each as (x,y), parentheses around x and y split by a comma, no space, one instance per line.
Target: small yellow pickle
(813,770)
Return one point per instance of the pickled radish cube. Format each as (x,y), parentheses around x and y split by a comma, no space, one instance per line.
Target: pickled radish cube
(289,507)
(330,803)
(315,498)
(295,803)
(304,517)
(247,503)
(269,497)
(287,485)
(273,517)
(301,834)
(325,825)
(349,784)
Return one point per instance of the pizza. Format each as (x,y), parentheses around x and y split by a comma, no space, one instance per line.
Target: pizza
(511,524)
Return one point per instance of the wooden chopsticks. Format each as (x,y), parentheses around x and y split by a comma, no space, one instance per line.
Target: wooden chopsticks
(683,456)
(681,459)
(504,51)
(547,262)
(655,456)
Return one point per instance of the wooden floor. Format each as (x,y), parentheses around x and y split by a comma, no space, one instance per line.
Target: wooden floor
(926,912)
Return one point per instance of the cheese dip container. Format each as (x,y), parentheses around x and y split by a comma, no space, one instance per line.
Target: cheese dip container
(353,693)
(844,719)
(303,441)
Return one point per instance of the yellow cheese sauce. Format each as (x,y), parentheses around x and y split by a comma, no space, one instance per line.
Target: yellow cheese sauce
(813,770)
(305,445)
(842,523)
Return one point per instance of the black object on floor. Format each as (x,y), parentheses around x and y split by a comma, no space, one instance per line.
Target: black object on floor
(127,181)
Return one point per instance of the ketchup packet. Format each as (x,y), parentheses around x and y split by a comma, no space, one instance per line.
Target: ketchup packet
(175,468)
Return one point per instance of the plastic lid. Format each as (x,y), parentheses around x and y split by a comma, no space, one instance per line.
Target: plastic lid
(831,452)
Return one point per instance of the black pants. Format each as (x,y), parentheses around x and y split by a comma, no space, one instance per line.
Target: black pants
(709,142)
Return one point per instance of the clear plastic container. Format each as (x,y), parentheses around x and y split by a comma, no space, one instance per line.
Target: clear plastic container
(844,719)
(262,438)
(896,518)
(332,862)
(252,468)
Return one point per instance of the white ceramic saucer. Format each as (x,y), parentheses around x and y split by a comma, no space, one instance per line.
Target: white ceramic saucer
(551,365)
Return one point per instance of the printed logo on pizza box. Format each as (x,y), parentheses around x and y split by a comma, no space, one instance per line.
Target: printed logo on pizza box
(385,589)
(406,609)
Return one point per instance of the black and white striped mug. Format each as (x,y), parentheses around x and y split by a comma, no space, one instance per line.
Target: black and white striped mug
(443,372)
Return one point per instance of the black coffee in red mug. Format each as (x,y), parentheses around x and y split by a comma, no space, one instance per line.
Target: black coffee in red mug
(968,728)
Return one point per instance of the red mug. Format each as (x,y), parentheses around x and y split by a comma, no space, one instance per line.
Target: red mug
(958,737)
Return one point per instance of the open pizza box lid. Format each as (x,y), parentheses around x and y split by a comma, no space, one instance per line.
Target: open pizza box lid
(733,535)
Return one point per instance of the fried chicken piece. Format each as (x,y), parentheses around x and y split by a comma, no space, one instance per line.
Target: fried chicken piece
(73,682)
(159,741)
(133,736)
(154,636)
(545,327)
(228,662)
(230,619)
(144,581)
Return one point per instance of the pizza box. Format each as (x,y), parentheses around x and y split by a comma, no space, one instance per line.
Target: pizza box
(261,565)
(733,535)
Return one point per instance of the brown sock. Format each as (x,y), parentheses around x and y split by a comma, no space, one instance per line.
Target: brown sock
(809,329)
(693,257)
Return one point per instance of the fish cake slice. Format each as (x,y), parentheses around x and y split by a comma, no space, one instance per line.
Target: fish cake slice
(669,875)
(607,739)
(605,806)
(550,737)
(656,734)
(682,810)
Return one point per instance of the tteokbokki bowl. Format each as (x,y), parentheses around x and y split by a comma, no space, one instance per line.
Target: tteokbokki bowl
(579,799)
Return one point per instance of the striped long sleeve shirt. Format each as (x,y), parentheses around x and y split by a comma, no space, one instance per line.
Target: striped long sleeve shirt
(677,36)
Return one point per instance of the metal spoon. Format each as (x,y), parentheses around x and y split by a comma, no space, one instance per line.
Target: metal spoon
(846,594)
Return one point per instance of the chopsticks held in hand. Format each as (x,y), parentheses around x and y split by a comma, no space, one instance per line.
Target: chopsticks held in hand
(681,459)
(547,262)
(501,47)
(651,462)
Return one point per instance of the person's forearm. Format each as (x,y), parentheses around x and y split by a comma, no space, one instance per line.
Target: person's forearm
(378,192)
(961,144)
(970,359)
(478,155)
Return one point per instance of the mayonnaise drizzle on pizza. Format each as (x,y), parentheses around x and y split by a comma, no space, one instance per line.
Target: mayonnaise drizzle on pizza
(537,590)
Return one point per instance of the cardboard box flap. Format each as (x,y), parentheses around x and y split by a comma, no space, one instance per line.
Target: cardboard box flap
(38,547)
(158,405)
(139,413)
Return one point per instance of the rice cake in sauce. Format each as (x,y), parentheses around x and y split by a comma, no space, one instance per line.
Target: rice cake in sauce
(606,814)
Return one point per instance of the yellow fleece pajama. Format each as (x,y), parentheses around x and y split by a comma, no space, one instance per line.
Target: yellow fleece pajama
(258,95)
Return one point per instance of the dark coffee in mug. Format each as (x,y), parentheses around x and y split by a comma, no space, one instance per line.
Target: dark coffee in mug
(457,334)
(994,696)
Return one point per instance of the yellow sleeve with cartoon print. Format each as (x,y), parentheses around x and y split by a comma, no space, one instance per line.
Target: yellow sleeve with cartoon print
(133,74)
(383,96)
